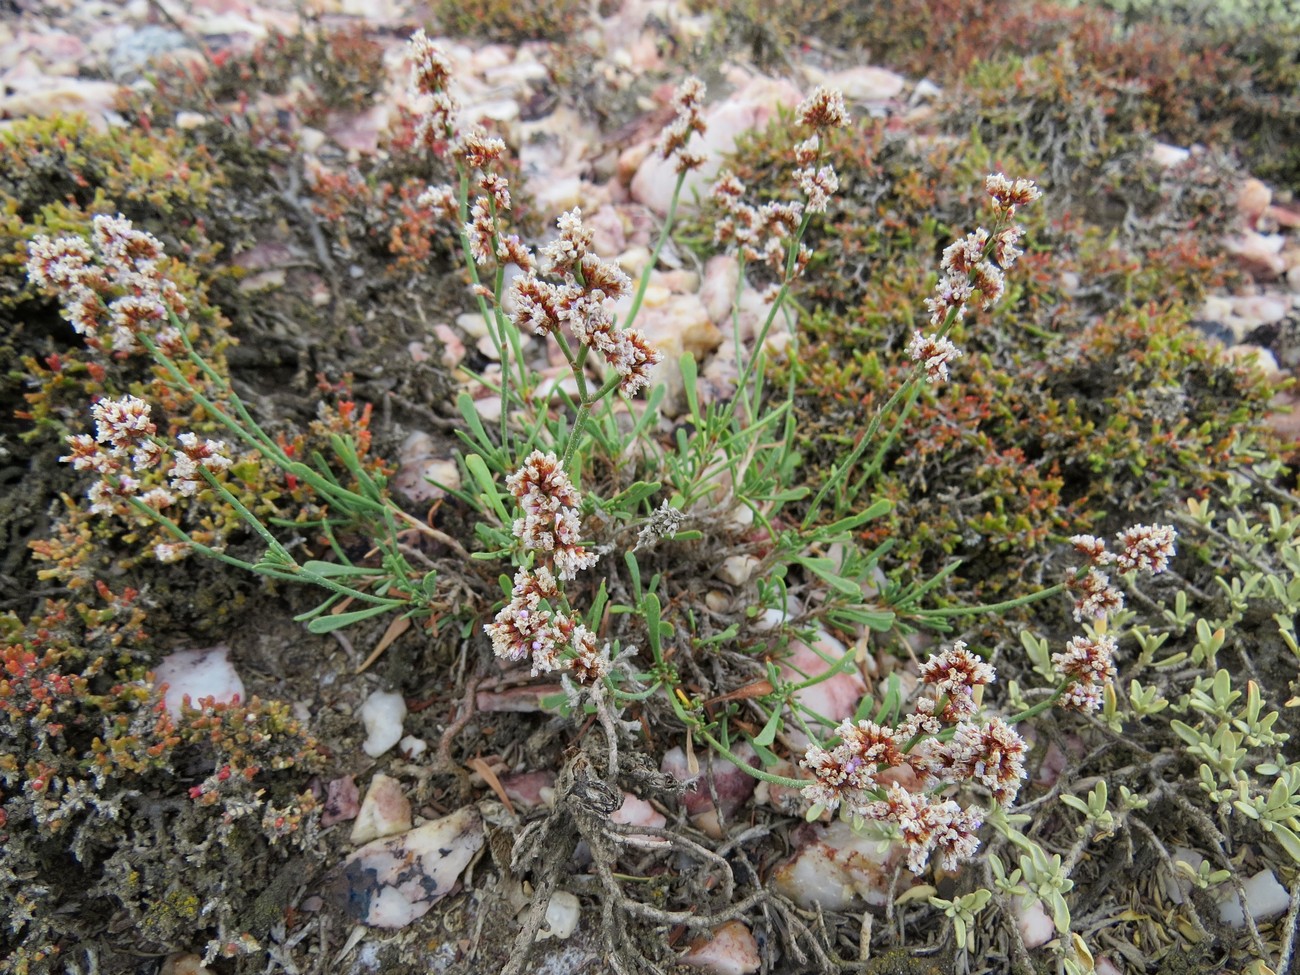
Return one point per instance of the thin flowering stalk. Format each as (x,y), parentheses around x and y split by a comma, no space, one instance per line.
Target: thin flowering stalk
(644,283)
(955,611)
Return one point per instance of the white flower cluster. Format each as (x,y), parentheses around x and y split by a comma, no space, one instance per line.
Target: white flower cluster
(533,625)
(975,264)
(111,288)
(125,444)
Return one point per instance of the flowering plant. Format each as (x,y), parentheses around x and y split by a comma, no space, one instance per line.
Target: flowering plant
(567,479)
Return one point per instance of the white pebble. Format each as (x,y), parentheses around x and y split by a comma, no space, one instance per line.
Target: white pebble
(382,714)
(1034,923)
(1265,897)
(562,915)
(198,674)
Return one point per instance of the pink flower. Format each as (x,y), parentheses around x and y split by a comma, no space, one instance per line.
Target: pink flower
(551,521)
(847,772)
(929,826)
(1145,548)
(823,109)
(122,424)
(1007,194)
(1089,664)
(1096,596)
(934,353)
(991,754)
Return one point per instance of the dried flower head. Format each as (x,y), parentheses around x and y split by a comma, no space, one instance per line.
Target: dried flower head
(563,254)
(1096,597)
(1008,194)
(819,186)
(934,353)
(847,772)
(689,101)
(823,109)
(1145,548)
(192,459)
(1090,547)
(1088,662)
(430,68)
(551,523)
(929,826)
(122,424)
(955,673)
(991,754)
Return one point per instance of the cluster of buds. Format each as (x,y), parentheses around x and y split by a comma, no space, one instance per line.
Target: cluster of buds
(125,444)
(976,263)
(579,301)
(939,744)
(581,304)
(111,288)
(1141,548)
(1086,666)
(763,233)
(688,100)
(533,625)
(430,72)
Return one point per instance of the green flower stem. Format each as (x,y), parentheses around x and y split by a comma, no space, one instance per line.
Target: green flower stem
(744,766)
(855,455)
(644,283)
(247,429)
(1042,705)
(953,611)
(629,696)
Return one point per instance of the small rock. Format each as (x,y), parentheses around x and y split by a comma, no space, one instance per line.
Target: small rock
(1260,254)
(412,747)
(562,914)
(453,349)
(384,812)
(391,882)
(183,963)
(1260,309)
(1262,359)
(134,51)
(342,801)
(382,715)
(638,812)
(195,675)
(472,324)
(1169,156)
(736,570)
(732,785)
(862,84)
(1034,923)
(731,950)
(1253,198)
(837,866)
(1265,898)
(530,789)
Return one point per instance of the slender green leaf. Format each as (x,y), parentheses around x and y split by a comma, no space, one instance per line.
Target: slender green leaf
(328,624)
(768,734)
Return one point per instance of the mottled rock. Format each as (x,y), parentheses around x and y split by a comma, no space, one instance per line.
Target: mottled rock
(730,950)
(384,812)
(391,882)
(837,866)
